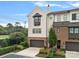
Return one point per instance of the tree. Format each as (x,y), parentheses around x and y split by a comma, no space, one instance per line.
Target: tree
(25,31)
(9,25)
(9,28)
(17,24)
(52,37)
(2,30)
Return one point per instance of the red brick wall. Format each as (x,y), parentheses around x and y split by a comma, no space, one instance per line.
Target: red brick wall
(62,34)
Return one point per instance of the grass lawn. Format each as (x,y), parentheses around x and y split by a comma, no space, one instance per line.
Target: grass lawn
(4,36)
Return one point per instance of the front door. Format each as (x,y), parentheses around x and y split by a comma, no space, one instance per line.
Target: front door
(58,44)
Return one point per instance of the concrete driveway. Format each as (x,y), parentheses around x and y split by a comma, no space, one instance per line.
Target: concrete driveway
(72,54)
(32,51)
(26,53)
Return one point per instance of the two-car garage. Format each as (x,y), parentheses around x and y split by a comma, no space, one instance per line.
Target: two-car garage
(72,46)
(36,43)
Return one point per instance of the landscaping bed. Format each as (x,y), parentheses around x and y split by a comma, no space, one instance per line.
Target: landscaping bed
(43,52)
(57,54)
(51,53)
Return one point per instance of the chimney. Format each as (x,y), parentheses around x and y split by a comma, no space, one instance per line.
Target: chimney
(48,8)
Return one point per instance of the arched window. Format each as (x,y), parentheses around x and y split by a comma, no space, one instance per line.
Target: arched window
(37,19)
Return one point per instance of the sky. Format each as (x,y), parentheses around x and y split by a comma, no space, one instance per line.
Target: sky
(17,11)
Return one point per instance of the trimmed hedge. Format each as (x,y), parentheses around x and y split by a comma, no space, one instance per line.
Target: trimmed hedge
(24,44)
(7,49)
(3,43)
(19,47)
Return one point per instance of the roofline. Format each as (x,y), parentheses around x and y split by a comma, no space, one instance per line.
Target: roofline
(64,11)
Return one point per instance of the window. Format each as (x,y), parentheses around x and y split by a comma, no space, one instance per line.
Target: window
(37,19)
(74,30)
(36,30)
(58,17)
(75,16)
(33,30)
(65,17)
(71,30)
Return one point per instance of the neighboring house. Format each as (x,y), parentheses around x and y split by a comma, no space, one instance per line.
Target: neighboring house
(65,23)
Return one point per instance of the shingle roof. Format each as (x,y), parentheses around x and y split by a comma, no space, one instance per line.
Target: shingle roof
(66,23)
(63,11)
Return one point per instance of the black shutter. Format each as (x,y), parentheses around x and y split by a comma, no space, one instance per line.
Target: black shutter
(73,16)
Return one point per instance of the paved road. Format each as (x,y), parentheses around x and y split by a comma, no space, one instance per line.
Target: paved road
(72,54)
(26,53)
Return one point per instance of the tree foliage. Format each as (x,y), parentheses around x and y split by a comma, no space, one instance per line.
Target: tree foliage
(52,37)
(17,37)
(11,29)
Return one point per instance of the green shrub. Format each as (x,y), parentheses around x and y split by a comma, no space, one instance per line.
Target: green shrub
(25,44)
(44,51)
(51,54)
(63,49)
(7,49)
(19,47)
(17,37)
(62,52)
(3,43)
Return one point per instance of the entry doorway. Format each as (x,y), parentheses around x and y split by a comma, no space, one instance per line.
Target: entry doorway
(58,44)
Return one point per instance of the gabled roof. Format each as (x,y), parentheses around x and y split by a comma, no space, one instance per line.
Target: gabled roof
(37,15)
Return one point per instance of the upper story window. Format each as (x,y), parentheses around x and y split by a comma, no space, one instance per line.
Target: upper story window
(37,19)
(58,17)
(75,16)
(36,30)
(65,17)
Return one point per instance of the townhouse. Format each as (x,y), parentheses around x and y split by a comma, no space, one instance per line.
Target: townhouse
(65,24)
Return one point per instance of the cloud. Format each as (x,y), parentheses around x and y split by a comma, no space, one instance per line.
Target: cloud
(75,4)
(3,24)
(26,25)
(44,4)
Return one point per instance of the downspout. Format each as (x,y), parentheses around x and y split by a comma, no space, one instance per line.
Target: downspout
(47,32)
